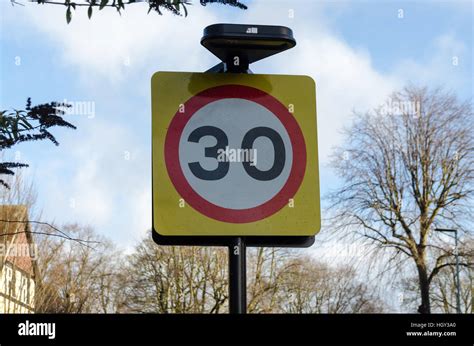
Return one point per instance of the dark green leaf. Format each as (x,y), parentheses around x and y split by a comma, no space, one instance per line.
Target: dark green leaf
(103,3)
(68,15)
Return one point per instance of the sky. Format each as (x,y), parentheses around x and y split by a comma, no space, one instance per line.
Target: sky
(358,52)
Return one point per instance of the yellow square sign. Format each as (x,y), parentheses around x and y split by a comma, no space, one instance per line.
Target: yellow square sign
(234,155)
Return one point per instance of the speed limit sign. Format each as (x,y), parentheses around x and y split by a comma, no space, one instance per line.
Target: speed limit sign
(234,154)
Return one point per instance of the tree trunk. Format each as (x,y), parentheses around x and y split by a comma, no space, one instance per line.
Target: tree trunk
(425,307)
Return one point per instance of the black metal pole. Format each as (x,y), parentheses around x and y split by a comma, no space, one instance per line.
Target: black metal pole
(237,250)
(237,276)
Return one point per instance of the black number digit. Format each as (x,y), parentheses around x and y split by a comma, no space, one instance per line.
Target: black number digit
(222,142)
(279,149)
(247,143)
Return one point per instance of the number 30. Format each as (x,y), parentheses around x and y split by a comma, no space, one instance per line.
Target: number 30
(247,143)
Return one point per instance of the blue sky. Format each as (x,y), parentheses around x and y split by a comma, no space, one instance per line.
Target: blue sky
(357,51)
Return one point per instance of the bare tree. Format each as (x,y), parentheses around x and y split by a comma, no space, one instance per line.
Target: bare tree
(267,268)
(168,279)
(74,278)
(407,167)
(308,286)
(66,267)
(444,285)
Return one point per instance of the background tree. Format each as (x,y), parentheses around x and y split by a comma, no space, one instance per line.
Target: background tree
(176,7)
(444,285)
(314,287)
(407,167)
(74,278)
(167,279)
(31,124)
(56,253)
(280,281)
(265,274)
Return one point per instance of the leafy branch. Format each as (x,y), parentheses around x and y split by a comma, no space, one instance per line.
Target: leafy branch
(176,7)
(31,124)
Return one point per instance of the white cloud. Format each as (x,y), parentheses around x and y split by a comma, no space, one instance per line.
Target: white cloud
(448,66)
(110,45)
(345,80)
(98,179)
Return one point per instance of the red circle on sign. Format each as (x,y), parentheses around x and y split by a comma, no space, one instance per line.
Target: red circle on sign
(212,210)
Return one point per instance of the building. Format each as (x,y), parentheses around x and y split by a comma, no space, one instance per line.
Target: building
(17,261)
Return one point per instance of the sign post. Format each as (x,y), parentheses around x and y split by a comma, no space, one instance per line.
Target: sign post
(237,276)
(235,159)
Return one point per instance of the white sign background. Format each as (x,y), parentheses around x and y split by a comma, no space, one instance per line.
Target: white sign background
(237,189)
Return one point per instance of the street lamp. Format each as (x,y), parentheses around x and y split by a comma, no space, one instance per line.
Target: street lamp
(239,45)
(456,254)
